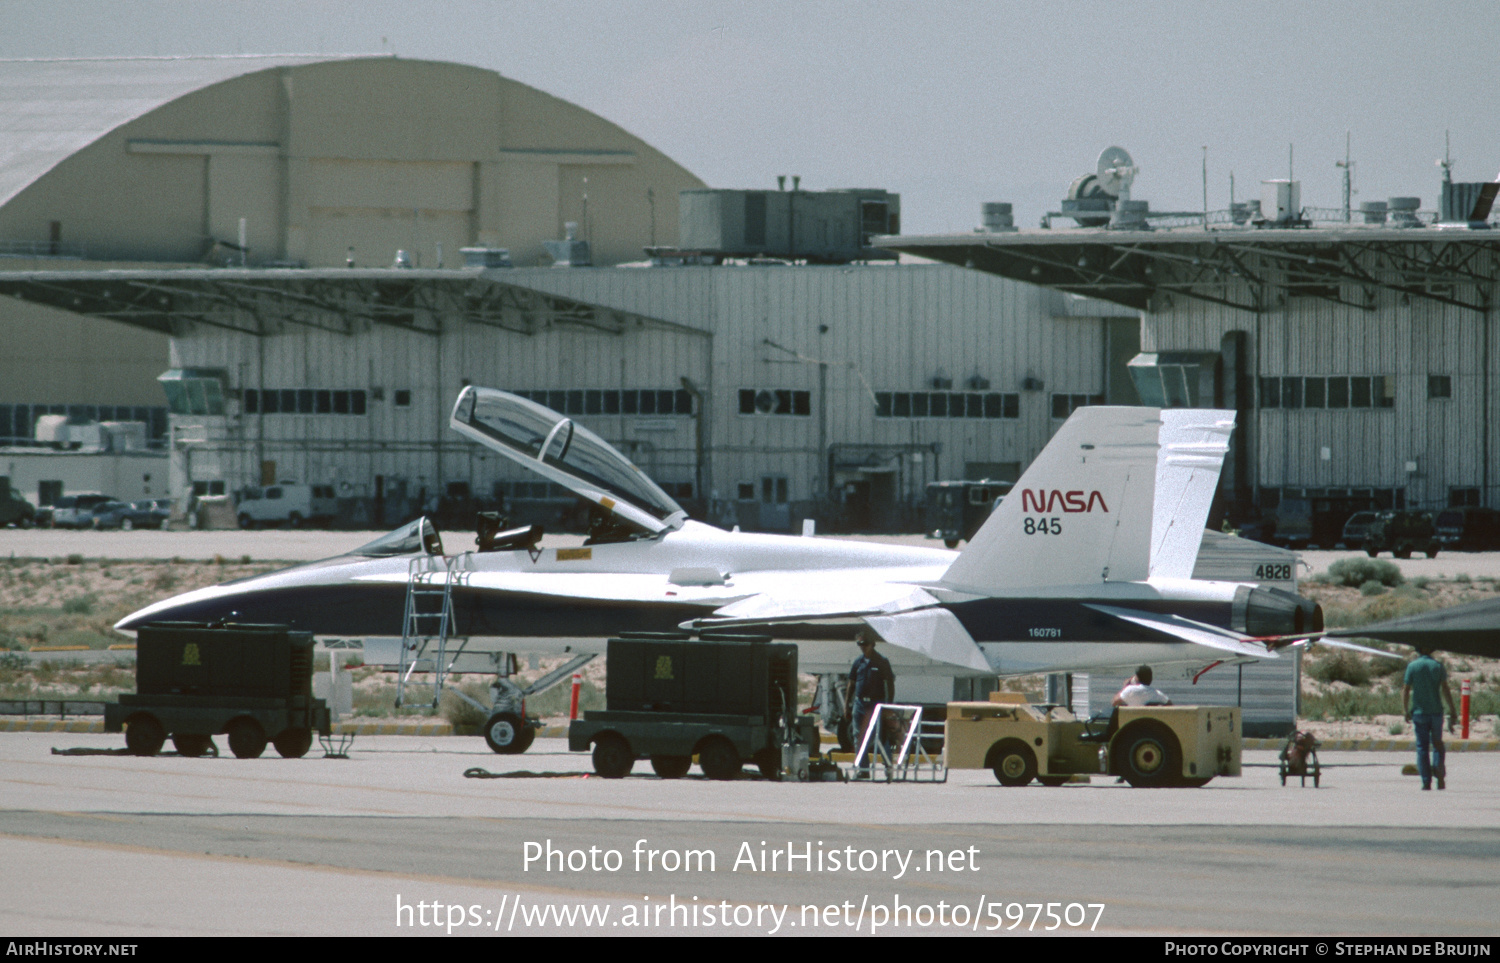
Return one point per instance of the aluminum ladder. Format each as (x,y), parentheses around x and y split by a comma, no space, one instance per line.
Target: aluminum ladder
(428,620)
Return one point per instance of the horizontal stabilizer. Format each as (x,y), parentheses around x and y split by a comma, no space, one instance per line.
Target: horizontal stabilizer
(1472,629)
(1348,646)
(936,633)
(1186,630)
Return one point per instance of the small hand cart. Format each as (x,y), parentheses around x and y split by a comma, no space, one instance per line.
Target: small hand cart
(1299,757)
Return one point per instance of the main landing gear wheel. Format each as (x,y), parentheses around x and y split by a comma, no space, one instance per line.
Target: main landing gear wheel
(1013,762)
(1148,756)
(293,743)
(508,734)
(247,740)
(144,736)
(191,744)
(612,756)
(671,767)
(719,759)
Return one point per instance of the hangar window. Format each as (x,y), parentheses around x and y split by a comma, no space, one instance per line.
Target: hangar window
(303,401)
(775,401)
(1439,386)
(947,404)
(1064,405)
(1463,497)
(1337,391)
(402,398)
(633,401)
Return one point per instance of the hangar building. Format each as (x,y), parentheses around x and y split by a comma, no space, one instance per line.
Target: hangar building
(183,162)
(1361,357)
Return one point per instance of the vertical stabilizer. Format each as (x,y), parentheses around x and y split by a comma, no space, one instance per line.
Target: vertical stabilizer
(1193,445)
(1082,512)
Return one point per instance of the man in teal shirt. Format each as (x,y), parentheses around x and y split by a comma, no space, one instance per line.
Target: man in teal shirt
(1423,692)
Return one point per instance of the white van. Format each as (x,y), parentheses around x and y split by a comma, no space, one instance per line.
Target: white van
(287,504)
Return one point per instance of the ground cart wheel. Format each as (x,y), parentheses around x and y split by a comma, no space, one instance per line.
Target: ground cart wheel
(1146,754)
(845,735)
(293,743)
(719,759)
(247,740)
(504,733)
(671,767)
(191,744)
(1013,761)
(612,756)
(144,736)
(246,522)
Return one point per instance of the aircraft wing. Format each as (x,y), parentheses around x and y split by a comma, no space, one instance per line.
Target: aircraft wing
(828,603)
(904,616)
(936,633)
(1187,630)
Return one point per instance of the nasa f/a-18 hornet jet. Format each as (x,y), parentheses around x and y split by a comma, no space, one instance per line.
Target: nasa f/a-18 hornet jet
(1086,564)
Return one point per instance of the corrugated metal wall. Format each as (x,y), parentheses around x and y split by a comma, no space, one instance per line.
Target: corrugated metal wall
(1408,337)
(878,328)
(725,330)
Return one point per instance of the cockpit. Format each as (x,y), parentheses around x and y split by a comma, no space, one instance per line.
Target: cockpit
(554,447)
(409,539)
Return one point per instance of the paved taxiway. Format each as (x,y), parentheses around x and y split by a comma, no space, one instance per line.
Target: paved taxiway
(116,845)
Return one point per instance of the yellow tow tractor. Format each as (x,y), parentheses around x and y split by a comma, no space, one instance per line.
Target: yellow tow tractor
(1148,746)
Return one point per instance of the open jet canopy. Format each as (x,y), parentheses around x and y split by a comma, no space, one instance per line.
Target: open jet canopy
(541,440)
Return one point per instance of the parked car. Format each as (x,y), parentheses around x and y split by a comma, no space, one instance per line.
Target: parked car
(160,509)
(286,504)
(1357,528)
(1470,529)
(123,515)
(76,511)
(15,510)
(1401,534)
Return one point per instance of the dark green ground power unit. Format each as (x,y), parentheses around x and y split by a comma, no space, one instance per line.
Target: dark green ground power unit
(725,699)
(251,682)
(730,675)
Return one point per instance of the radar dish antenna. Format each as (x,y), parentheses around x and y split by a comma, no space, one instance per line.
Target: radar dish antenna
(1116,171)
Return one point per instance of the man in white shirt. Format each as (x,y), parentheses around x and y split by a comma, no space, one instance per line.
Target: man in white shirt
(1139,692)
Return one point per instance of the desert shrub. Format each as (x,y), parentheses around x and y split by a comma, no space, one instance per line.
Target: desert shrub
(79,605)
(1340,667)
(459,712)
(1351,704)
(1371,587)
(1355,572)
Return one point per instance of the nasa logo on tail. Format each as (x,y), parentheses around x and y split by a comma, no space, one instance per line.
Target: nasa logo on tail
(1070,502)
